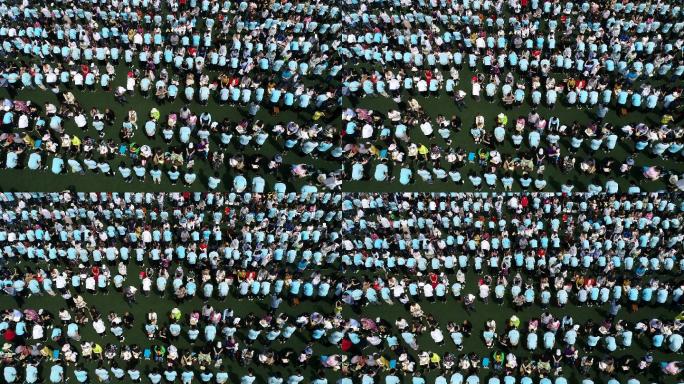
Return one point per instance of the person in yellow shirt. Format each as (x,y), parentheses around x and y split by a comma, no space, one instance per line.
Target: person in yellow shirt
(435,360)
(317,115)
(680,317)
(383,362)
(502,119)
(176,314)
(97,350)
(423,150)
(76,143)
(29,141)
(514,321)
(155,114)
(373,150)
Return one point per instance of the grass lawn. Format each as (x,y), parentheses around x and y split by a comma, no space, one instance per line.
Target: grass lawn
(442,104)
(444,312)
(25,180)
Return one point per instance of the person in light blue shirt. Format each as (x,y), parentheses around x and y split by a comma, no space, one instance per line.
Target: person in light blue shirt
(525,181)
(133,374)
(540,183)
(81,374)
(612,186)
(490,179)
(475,180)
(31,373)
(405,176)
(56,374)
(214,181)
(674,342)
(9,373)
(392,378)
(239,183)
(296,378)
(173,174)
(381,172)
(57,165)
(249,378)
(34,161)
(170,375)
(155,377)
(657,340)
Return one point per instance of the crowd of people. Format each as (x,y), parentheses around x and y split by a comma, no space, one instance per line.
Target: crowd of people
(192,58)
(533,255)
(528,57)
(301,286)
(620,253)
(183,245)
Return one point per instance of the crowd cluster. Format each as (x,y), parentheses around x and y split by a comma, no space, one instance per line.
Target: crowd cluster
(194,59)
(533,58)
(319,266)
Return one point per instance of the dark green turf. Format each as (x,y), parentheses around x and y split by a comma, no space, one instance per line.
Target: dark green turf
(25,180)
(444,312)
(443,104)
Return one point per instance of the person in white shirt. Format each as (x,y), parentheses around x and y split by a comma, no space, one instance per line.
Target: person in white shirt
(476,91)
(374,340)
(60,282)
(90,284)
(367,131)
(64,315)
(23,122)
(146,285)
(147,237)
(78,79)
(37,332)
(428,291)
(99,327)
(398,291)
(394,84)
(426,127)
(81,121)
(422,86)
(484,292)
(437,336)
(394,115)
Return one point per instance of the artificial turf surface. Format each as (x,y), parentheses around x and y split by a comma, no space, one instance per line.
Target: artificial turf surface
(442,103)
(444,313)
(44,180)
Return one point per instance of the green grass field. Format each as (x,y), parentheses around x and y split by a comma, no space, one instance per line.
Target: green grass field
(444,312)
(442,104)
(25,180)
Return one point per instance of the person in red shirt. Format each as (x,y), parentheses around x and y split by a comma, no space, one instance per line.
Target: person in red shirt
(9,335)
(434,279)
(346,344)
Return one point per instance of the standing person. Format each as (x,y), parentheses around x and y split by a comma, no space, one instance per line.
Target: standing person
(476,88)
(469,303)
(614,309)
(275,303)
